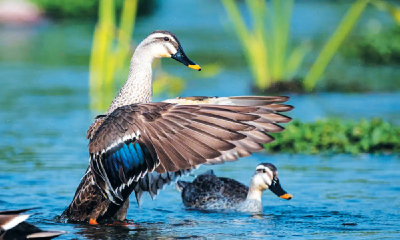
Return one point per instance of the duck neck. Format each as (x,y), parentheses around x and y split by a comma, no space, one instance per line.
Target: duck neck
(137,88)
(255,191)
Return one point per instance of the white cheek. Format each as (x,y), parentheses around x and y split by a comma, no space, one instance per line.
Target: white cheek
(160,51)
(171,48)
(262,180)
(267,180)
(270,173)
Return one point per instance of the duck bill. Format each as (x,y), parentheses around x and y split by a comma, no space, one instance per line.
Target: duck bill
(180,56)
(277,189)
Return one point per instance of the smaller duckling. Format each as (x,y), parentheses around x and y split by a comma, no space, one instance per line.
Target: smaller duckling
(209,192)
(13,226)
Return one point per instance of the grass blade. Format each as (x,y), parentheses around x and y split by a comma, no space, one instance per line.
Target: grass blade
(331,47)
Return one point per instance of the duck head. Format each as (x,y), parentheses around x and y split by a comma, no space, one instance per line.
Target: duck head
(160,44)
(266,177)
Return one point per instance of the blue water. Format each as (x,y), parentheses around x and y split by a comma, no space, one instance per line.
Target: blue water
(340,197)
(44,114)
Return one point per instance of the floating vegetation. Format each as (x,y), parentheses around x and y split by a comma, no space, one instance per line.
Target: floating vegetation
(338,136)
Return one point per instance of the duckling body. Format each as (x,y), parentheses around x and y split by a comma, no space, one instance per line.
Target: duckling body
(140,146)
(209,192)
(14,227)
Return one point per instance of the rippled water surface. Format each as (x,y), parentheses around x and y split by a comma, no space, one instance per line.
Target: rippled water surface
(44,115)
(338,196)
(43,155)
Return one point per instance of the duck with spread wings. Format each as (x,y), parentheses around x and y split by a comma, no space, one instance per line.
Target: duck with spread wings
(139,146)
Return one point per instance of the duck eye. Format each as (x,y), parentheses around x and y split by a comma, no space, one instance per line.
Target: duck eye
(264,171)
(166,39)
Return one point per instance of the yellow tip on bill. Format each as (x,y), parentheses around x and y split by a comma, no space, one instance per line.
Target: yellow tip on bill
(286,196)
(195,67)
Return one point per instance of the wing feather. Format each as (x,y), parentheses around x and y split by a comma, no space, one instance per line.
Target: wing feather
(169,137)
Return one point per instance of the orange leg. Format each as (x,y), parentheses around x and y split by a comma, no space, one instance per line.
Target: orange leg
(93,221)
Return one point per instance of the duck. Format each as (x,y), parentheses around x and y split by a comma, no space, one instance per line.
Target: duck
(14,227)
(140,146)
(209,192)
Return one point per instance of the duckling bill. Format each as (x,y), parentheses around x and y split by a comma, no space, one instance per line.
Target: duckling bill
(209,192)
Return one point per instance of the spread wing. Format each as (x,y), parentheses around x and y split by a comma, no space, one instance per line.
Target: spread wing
(270,107)
(168,137)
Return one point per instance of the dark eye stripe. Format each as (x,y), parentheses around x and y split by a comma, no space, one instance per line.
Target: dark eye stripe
(167,39)
(263,170)
(171,40)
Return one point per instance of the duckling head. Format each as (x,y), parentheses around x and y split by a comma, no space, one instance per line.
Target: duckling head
(160,44)
(266,177)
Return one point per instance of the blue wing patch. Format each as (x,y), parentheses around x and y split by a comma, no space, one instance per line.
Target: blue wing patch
(128,158)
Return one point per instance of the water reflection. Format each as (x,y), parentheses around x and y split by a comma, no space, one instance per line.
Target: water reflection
(104,232)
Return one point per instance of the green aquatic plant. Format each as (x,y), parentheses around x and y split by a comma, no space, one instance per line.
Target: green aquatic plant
(266,47)
(389,7)
(378,47)
(110,50)
(332,45)
(375,48)
(342,31)
(266,43)
(338,136)
(110,54)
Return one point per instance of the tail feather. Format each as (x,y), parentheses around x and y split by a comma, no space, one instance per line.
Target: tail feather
(154,182)
(180,185)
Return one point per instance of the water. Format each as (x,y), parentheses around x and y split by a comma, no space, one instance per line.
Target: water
(43,155)
(44,114)
(340,196)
